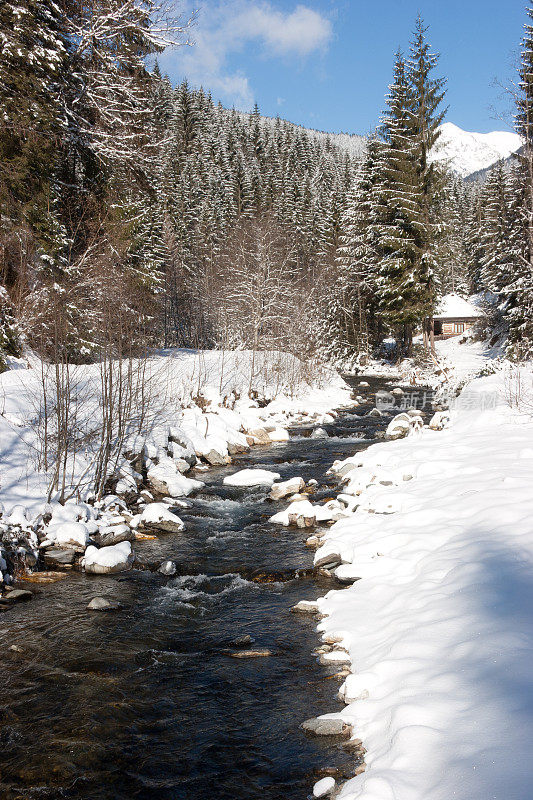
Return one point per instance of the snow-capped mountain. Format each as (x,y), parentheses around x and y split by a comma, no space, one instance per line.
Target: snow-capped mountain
(466,152)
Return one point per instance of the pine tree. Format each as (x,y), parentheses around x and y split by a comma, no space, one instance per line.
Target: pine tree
(410,186)
(399,226)
(427,95)
(521,291)
(10,344)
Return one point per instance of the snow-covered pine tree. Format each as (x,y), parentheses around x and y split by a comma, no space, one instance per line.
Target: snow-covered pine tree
(521,293)
(350,317)
(33,73)
(452,255)
(399,226)
(10,344)
(427,94)
(498,263)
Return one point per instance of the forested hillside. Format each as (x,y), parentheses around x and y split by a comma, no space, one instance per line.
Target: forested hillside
(135,213)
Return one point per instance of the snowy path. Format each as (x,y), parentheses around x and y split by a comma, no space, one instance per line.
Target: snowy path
(463,361)
(440,628)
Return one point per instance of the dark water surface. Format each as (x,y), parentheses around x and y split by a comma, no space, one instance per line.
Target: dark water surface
(145,702)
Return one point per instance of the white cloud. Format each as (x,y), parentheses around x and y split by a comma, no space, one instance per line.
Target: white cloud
(224,28)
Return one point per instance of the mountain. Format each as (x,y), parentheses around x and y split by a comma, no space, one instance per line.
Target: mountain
(481,175)
(467,153)
(352,143)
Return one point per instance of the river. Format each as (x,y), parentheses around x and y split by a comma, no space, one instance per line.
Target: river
(146,702)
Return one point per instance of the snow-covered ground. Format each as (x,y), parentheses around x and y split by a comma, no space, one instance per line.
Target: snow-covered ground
(438,632)
(193,404)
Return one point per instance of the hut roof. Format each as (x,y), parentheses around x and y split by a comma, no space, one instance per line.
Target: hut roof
(451,306)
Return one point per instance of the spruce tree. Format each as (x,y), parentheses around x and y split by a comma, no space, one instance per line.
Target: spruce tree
(399,223)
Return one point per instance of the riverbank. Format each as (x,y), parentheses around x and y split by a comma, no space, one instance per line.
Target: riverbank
(188,411)
(435,631)
(147,701)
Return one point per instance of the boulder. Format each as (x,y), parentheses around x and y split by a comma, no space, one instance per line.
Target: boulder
(167,568)
(399,426)
(216,459)
(301,513)
(18,517)
(260,436)
(251,477)
(182,465)
(102,604)
(324,787)
(117,558)
(251,653)
(439,420)
(157,516)
(329,561)
(243,641)
(113,534)
(234,448)
(16,596)
(186,451)
(319,433)
(166,480)
(59,557)
(290,487)
(301,520)
(305,607)
(326,726)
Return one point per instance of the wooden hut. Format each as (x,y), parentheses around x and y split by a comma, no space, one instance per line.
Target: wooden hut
(454,315)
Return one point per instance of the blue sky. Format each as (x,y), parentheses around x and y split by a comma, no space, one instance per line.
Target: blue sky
(326,64)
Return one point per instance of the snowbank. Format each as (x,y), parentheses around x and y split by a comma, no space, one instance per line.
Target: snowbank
(195,405)
(439,630)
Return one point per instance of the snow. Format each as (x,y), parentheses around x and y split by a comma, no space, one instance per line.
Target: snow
(466,152)
(279,435)
(252,477)
(114,558)
(438,629)
(323,787)
(452,306)
(73,533)
(306,510)
(197,406)
(155,513)
(167,479)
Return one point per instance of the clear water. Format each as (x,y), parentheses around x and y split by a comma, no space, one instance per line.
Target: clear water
(145,702)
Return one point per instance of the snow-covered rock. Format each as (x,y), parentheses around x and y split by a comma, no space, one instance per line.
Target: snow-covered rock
(323,787)
(279,435)
(69,533)
(301,513)
(18,517)
(117,558)
(439,420)
(285,488)
(113,534)
(167,480)
(399,426)
(159,516)
(252,477)
(319,433)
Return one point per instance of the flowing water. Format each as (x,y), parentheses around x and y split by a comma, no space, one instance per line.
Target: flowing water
(146,702)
